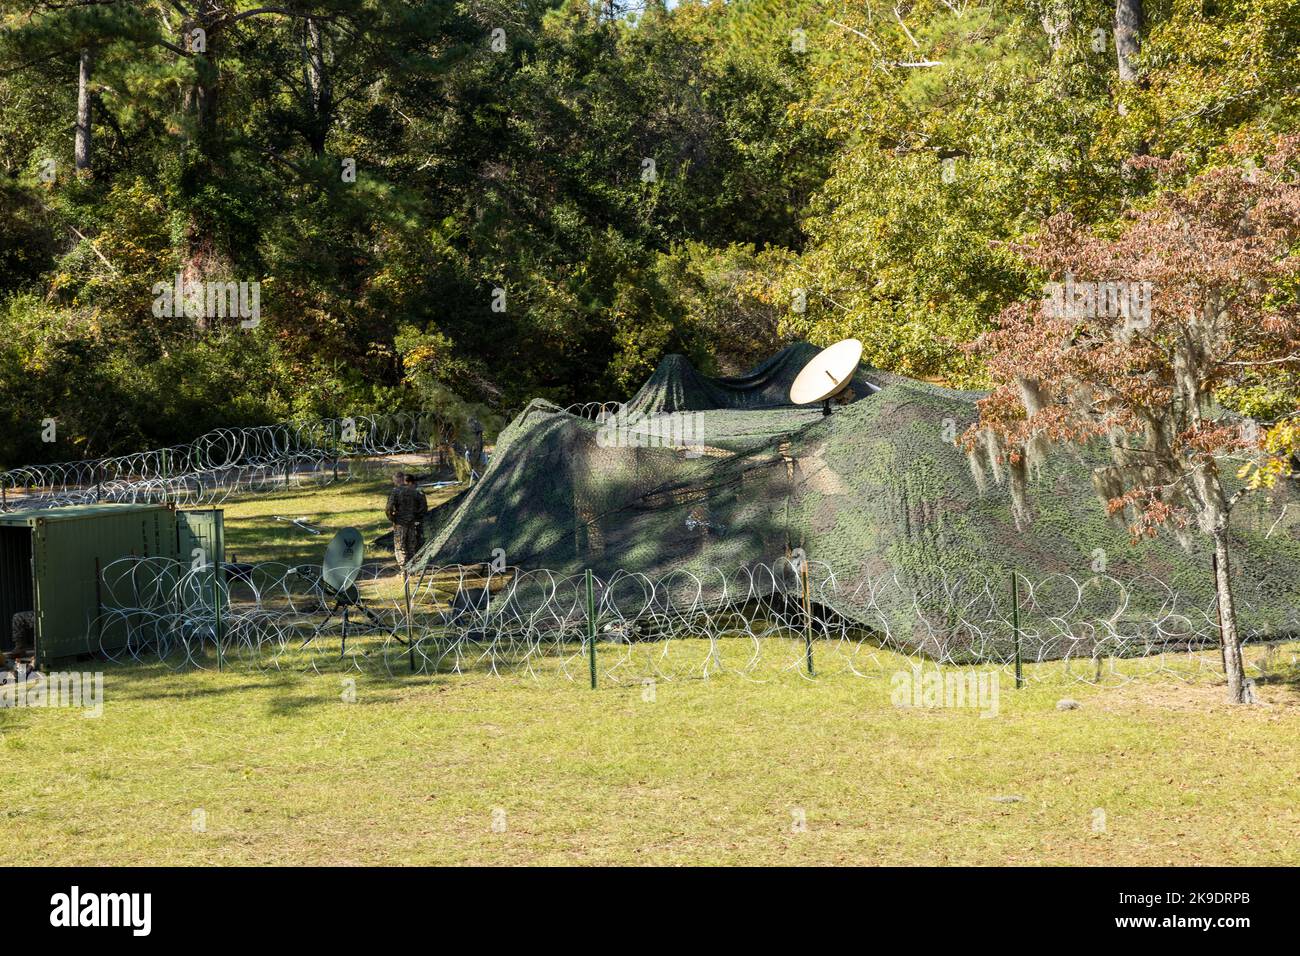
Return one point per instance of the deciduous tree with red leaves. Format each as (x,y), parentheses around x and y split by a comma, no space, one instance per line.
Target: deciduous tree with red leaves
(1192,295)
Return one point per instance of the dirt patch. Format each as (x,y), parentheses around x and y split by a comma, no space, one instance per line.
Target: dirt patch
(1199,697)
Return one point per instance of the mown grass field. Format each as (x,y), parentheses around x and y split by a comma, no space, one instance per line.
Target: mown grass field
(247,766)
(254,533)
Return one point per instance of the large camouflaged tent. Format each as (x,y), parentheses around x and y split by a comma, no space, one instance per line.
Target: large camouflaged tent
(709,475)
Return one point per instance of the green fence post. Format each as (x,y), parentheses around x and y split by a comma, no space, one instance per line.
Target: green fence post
(216,608)
(1015,623)
(807,617)
(591,628)
(99,604)
(410,642)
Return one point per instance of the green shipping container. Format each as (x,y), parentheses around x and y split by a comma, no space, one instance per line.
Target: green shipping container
(50,563)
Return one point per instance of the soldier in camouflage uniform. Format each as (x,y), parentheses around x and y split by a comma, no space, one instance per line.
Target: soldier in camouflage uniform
(399,482)
(406,510)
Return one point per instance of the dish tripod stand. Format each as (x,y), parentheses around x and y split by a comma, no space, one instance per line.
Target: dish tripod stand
(344,600)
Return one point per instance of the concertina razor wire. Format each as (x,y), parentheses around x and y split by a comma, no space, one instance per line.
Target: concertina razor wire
(221,463)
(756,622)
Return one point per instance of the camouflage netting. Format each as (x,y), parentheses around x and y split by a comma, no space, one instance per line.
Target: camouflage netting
(877,494)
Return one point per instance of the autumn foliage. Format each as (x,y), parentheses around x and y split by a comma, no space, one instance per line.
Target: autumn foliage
(1217,264)
(1215,272)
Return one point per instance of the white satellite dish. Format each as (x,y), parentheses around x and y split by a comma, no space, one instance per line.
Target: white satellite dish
(828,374)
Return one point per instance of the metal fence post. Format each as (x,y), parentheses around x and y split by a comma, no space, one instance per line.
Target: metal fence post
(99,604)
(216,609)
(591,628)
(1015,624)
(807,617)
(410,642)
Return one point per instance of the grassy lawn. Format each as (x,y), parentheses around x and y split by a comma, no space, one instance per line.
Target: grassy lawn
(253,532)
(473,768)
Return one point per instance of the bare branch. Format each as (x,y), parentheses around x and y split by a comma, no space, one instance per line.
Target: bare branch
(899,18)
(1255,363)
(93,248)
(277,11)
(864,36)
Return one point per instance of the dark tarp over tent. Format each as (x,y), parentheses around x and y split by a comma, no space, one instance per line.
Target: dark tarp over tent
(676,386)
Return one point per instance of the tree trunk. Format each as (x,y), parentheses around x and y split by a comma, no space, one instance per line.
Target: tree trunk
(199,33)
(201,99)
(1128,29)
(1233,667)
(320,92)
(82,150)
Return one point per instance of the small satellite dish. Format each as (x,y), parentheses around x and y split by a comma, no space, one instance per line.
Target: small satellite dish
(828,374)
(339,576)
(343,560)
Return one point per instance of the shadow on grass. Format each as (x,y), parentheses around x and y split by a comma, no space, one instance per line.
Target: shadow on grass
(1279,674)
(137,681)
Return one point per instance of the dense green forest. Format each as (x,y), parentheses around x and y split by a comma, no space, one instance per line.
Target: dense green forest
(474,203)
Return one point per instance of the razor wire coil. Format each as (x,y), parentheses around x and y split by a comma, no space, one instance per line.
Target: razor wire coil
(221,463)
(752,622)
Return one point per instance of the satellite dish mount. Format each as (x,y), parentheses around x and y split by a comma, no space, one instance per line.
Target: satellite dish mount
(338,579)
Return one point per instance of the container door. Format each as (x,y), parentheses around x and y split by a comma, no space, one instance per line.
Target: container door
(201,540)
(16,592)
(200,536)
